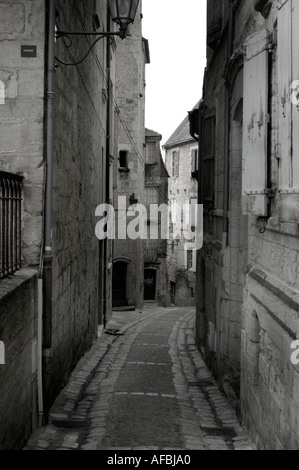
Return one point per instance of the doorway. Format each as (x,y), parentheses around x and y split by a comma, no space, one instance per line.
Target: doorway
(119,284)
(150,277)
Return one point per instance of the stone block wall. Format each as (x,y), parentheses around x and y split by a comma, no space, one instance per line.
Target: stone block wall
(78,188)
(130,101)
(181,189)
(22,23)
(249,290)
(18,374)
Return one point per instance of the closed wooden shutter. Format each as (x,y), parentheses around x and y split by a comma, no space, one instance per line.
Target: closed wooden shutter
(284,72)
(214,22)
(295,70)
(175,164)
(288,89)
(208,155)
(182,257)
(193,160)
(256,118)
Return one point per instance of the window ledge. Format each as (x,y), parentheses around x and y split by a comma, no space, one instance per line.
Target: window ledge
(124,170)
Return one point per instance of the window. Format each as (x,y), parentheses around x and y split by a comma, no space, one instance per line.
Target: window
(2,93)
(152,197)
(189,259)
(173,211)
(194,162)
(175,164)
(123,160)
(208,159)
(288,103)
(150,154)
(255,124)
(214,22)
(193,213)
(10,223)
(182,257)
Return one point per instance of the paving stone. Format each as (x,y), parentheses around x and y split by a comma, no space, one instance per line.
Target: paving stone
(123,406)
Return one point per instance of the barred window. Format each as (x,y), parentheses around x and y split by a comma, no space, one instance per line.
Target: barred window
(10,223)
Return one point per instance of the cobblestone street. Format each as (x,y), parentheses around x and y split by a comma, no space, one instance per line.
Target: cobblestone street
(143,386)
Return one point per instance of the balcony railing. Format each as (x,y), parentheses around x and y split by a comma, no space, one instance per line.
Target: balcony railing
(10,223)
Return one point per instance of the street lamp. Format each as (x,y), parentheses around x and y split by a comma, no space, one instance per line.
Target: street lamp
(122,12)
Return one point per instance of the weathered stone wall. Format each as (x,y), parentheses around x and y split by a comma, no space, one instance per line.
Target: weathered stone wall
(78,188)
(22,113)
(22,23)
(248,292)
(18,376)
(129,93)
(181,189)
(156,183)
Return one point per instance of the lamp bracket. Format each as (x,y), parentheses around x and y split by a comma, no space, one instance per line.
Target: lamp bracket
(67,35)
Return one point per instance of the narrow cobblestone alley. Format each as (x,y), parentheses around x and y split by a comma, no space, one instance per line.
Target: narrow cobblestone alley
(143,386)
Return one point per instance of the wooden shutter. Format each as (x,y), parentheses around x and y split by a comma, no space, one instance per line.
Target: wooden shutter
(175,163)
(208,153)
(182,257)
(295,107)
(214,22)
(284,72)
(288,104)
(255,124)
(193,161)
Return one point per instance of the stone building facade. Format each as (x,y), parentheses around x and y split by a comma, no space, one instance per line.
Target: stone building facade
(129,165)
(181,157)
(57,132)
(155,247)
(247,277)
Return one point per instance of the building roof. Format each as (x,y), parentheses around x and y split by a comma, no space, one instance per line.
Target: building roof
(150,133)
(181,134)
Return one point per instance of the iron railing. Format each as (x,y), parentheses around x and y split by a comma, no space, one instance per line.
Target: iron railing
(10,223)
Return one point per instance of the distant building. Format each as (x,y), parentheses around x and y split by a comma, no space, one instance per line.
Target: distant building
(129,169)
(181,159)
(155,249)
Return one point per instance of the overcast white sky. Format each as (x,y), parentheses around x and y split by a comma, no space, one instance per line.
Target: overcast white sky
(176,32)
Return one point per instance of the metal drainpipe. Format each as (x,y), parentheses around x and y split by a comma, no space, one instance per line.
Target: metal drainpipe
(227,131)
(108,130)
(49,126)
(47,254)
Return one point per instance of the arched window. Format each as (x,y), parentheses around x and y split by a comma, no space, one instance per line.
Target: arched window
(2,92)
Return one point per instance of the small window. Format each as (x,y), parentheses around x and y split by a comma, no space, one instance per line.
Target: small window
(175,164)
(194,160)
(150,154)
(123,161)
(193,213)
(208,160)
(189,259)
(2,93)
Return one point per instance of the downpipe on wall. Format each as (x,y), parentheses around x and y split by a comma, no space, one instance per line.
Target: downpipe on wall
(45,271)
(227,130)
